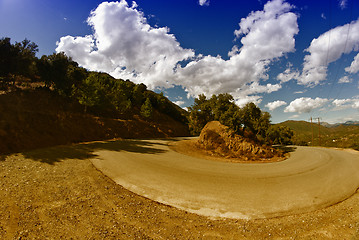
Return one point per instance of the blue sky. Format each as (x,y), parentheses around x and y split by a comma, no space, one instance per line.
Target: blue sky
(294,59)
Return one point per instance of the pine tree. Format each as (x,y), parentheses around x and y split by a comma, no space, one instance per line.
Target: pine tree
(147,109)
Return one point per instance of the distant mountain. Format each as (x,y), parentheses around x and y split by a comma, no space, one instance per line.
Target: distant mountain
(351,123)
(343,135)
(347,123)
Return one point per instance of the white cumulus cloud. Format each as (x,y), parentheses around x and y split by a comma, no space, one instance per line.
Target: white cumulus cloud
(275,104)
(345,79)
(328,48)
(305,104)
(203,2)
(179,102)
(124,45)
(288,74)
(341,104)
(266,36)
(354,66)
(356,104)
(241,102)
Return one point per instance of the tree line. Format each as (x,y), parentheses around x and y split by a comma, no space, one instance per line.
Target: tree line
(249,121)
(97,92)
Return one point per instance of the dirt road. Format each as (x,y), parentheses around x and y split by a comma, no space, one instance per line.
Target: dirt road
(312,178)
(56,193)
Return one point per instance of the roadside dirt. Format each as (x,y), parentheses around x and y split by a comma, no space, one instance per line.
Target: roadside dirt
(55,197)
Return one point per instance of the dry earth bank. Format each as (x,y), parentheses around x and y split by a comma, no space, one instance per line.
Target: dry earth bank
(32,119)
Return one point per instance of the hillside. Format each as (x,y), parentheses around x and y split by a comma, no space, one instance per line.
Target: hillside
(40,118)
(343,136)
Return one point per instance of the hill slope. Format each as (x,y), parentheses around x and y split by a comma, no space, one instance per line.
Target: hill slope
(343,136)
(41,118)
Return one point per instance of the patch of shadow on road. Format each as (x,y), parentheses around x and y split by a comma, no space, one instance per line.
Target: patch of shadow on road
(85,151)
(135,146)
(285,149)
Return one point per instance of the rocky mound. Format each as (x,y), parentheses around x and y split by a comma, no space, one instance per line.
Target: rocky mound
(219,140)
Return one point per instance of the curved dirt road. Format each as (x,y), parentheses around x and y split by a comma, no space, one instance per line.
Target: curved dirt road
(310,179)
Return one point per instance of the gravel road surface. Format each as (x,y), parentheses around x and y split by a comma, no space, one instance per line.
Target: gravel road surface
(310,179)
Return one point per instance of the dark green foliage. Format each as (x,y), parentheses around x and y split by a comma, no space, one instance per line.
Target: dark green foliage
(17,60)
(60,72)
(146,109)
(249,120)
(232,118)
(88,92)
(103,92)
(106,95)
(262,126)
(162,104)
(7,59)
(279,134)
(26,60)
(138,94)
(220,108)
(200,114)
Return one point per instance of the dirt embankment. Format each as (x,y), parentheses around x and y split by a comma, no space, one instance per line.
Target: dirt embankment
(218,142)
(40,118)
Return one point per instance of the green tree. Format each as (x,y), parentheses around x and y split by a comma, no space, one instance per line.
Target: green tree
(88,93)
(255,121)
(44,69)
(7,58)
(249,119)
(232,119)
(75,75)
(26,59)
(17,59)
(120,94)
(250,115)
(54,71)
(146,109)
(262,126)
(279,134)
(220,104)
(138,94)
(200,114)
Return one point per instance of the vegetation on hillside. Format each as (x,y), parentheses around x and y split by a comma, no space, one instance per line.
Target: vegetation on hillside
(343,136)
(249,121)
(98,93)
